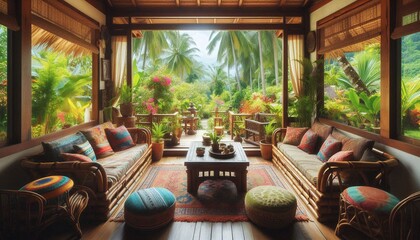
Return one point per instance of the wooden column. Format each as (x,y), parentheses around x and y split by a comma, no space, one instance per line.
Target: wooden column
(285,72)
(95,80)
(20,97)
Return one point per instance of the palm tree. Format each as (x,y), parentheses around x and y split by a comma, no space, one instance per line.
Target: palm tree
(260,50)
(151,45)
(229,43)
(218,78)
(181,53)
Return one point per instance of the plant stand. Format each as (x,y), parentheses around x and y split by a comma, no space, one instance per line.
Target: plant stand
(266,150)
(128,122)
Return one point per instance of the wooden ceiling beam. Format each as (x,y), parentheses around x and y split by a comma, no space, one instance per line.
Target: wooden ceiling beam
(219,2)
(240,3)
(295,28)
(197,12)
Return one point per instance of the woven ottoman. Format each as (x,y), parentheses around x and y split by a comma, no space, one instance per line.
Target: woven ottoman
(214,191)
(270,206)
(149,208)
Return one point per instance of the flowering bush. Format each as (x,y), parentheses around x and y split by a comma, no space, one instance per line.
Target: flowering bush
(257,103)
(162,95)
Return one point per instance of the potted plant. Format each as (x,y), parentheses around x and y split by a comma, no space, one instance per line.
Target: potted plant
(126,101)
(237,129)
(158,131)
(215,139)
(266,146)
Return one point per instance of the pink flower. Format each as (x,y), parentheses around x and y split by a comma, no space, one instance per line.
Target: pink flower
(60,116)
(166,81)
(156,79)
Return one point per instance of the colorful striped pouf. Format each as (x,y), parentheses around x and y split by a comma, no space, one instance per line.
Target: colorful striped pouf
(50,187)
(270,206)
(370,199)
(149,208)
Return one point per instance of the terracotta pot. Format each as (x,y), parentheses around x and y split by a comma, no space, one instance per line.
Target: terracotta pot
(157,150)
(126,109)
(266,150)
(206,141)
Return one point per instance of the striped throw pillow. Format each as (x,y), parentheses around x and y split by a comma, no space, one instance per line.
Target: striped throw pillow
(85,149)
(119,138)
(97,138)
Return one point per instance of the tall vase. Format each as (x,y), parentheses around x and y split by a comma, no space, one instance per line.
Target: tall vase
(157,150)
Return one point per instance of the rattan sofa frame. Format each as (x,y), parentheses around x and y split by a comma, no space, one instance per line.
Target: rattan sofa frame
(323,199)
(103,200)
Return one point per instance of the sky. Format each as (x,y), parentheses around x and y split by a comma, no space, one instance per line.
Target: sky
(201,38)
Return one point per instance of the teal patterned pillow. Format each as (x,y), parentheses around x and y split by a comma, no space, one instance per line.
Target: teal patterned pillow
(53,149)
(330,147)
(85,149)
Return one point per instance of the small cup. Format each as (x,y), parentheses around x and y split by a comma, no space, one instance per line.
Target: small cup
(200,151)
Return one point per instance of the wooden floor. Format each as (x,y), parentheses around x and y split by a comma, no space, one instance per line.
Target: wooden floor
(199,230)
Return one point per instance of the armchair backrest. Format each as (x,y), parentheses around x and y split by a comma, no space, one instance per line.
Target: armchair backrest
(404,220)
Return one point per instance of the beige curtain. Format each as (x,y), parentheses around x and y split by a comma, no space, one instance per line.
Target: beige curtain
(119,60)
(295,46)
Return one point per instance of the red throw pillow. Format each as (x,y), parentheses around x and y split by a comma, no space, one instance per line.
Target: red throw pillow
(75,157)
(341,156)
(97,138)
(119,138)
(294,135)
(329,148)
(308,142)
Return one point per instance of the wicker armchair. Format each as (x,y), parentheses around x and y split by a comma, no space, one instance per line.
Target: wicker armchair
(404,220)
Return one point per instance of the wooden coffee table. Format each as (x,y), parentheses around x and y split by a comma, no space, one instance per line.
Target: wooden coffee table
(200,169)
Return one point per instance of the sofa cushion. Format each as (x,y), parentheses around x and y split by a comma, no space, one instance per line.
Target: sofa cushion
(119,138)
(308,164)
(294,135)
(358,146)
(117,165)
(329,148)
(309,141)
(323,132)
(53,149)
(341,156)
(75,157)
(85,149)
(97,138)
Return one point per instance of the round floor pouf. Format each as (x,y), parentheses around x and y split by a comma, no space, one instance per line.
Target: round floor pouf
(214,191)
(149,208)
(270,206)
(50,187)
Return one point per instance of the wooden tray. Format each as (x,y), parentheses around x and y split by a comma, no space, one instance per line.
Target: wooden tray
(219,155)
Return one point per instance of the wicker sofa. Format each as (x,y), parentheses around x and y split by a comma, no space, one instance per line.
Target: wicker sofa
(107,180)
(318,183)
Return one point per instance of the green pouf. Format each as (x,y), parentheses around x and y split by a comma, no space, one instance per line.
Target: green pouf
(149,208)
(270,206)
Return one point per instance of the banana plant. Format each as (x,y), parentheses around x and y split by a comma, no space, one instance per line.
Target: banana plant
(410,94)
(367,106)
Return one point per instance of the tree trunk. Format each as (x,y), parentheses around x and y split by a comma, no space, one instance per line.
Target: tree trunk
(261,64)
(144,56)
(236,66)
(352,75)
(276,59)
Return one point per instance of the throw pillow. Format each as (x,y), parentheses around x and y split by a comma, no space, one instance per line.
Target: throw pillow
(97,138)
(294,135)
(341,156)
(329,148)
(308,142)
(119,138)
(53,149)
(85,149)
(75,157)
(358,146)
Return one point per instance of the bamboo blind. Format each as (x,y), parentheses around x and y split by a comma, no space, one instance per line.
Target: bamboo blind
(70,31)
(408,18)
(350,31)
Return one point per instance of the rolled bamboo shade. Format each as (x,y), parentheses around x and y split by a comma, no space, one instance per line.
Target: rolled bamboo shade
(408,18)
(350,31)
(55,18)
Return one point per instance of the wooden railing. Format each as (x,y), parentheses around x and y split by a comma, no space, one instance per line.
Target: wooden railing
(235,119)
(147,120)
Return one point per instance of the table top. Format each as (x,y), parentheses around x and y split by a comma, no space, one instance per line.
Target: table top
(192,158)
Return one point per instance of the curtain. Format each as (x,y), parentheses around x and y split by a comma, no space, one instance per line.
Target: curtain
(119,60)
(295,46)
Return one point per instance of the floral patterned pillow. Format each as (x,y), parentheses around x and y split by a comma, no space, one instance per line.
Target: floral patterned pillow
(97,138)
(294,135)
(308,142)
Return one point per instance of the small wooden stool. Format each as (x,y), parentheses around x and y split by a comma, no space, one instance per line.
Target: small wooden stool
(366,209)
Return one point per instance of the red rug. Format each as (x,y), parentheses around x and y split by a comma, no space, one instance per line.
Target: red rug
(191,209)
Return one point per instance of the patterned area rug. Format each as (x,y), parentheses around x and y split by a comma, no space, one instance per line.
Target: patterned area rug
(190,209)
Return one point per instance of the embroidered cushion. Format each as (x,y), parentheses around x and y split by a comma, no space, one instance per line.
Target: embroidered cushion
(370,199)
(329,148)
(75,157)
(53,149)
(50,187)
(341,156)
(294,135)
(85,149)
(119,138)
(97,138)
(308,142)
(149,208)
